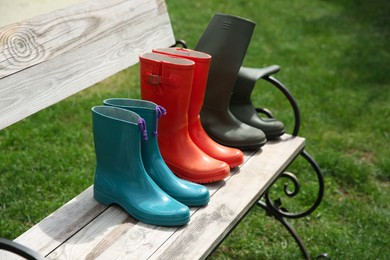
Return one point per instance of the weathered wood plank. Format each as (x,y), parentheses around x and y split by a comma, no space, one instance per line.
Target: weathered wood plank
(13,11)
(113,232)
(62,224)
(73,66)
(37,39)
(78,213)
(115,235)
(211,224)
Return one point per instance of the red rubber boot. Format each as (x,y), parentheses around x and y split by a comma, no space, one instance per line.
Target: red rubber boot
(232,156)
(167,81)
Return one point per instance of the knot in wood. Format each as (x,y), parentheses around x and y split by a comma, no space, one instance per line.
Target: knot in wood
(19,46)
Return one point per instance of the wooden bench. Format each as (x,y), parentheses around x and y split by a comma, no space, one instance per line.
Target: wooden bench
(44,60)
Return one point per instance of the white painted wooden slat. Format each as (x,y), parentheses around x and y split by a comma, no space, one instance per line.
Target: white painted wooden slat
(115,235)
(88,61)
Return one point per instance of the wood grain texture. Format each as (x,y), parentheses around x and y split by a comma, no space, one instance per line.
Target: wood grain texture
(62,224)
(137,241)
(113,234)
(13,11)
(211,224)
(101,231)
(50,57)
(37,39)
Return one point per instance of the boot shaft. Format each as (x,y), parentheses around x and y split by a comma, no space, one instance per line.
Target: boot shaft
(113,127)
(201,71)
(147,110)
(242,91)
(226,39)
(167,81)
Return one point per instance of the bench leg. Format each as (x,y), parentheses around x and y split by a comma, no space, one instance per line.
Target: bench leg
(288,226)
(274,207)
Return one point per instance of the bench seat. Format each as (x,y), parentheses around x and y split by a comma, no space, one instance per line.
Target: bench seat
(85,229)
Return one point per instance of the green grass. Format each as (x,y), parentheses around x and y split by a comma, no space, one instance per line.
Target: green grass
(335,59)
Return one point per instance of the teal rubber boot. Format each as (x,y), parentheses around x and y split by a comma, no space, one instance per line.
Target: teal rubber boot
(186,192)
(120,176)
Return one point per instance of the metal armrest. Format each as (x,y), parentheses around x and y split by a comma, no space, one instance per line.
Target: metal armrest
(254,74)
(19,249)
(180,42)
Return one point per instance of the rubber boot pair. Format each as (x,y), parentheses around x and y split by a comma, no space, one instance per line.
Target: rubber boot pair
(167,81)
(233,157)
(121,177)
(226,39)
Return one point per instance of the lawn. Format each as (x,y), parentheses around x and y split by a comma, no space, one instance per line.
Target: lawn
(335,59)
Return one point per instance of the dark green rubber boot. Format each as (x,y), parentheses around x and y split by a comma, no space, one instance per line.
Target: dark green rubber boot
(241,105)
(226,39)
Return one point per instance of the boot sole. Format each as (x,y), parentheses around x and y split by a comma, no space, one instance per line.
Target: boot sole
(194,203)
(178,173)
(239,146)
(234,165)
(203,180)
(273,136)
(107,200)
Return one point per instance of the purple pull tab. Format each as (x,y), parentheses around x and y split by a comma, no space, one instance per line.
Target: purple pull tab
(142,127)
(160,111)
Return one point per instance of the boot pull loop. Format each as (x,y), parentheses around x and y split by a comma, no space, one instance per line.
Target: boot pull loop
(142,127)
(160,111)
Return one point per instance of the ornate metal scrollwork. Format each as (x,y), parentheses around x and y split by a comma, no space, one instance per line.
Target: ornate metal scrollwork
(180,42)
(294,180)
(275,207)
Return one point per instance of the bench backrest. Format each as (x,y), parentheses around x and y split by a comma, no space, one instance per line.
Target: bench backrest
(49,57)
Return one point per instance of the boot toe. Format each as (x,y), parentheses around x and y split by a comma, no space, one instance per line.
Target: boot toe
(246,113)
(205,172)
(234,158)
(242,137)
(170,213)
(272,128)
(193,195)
